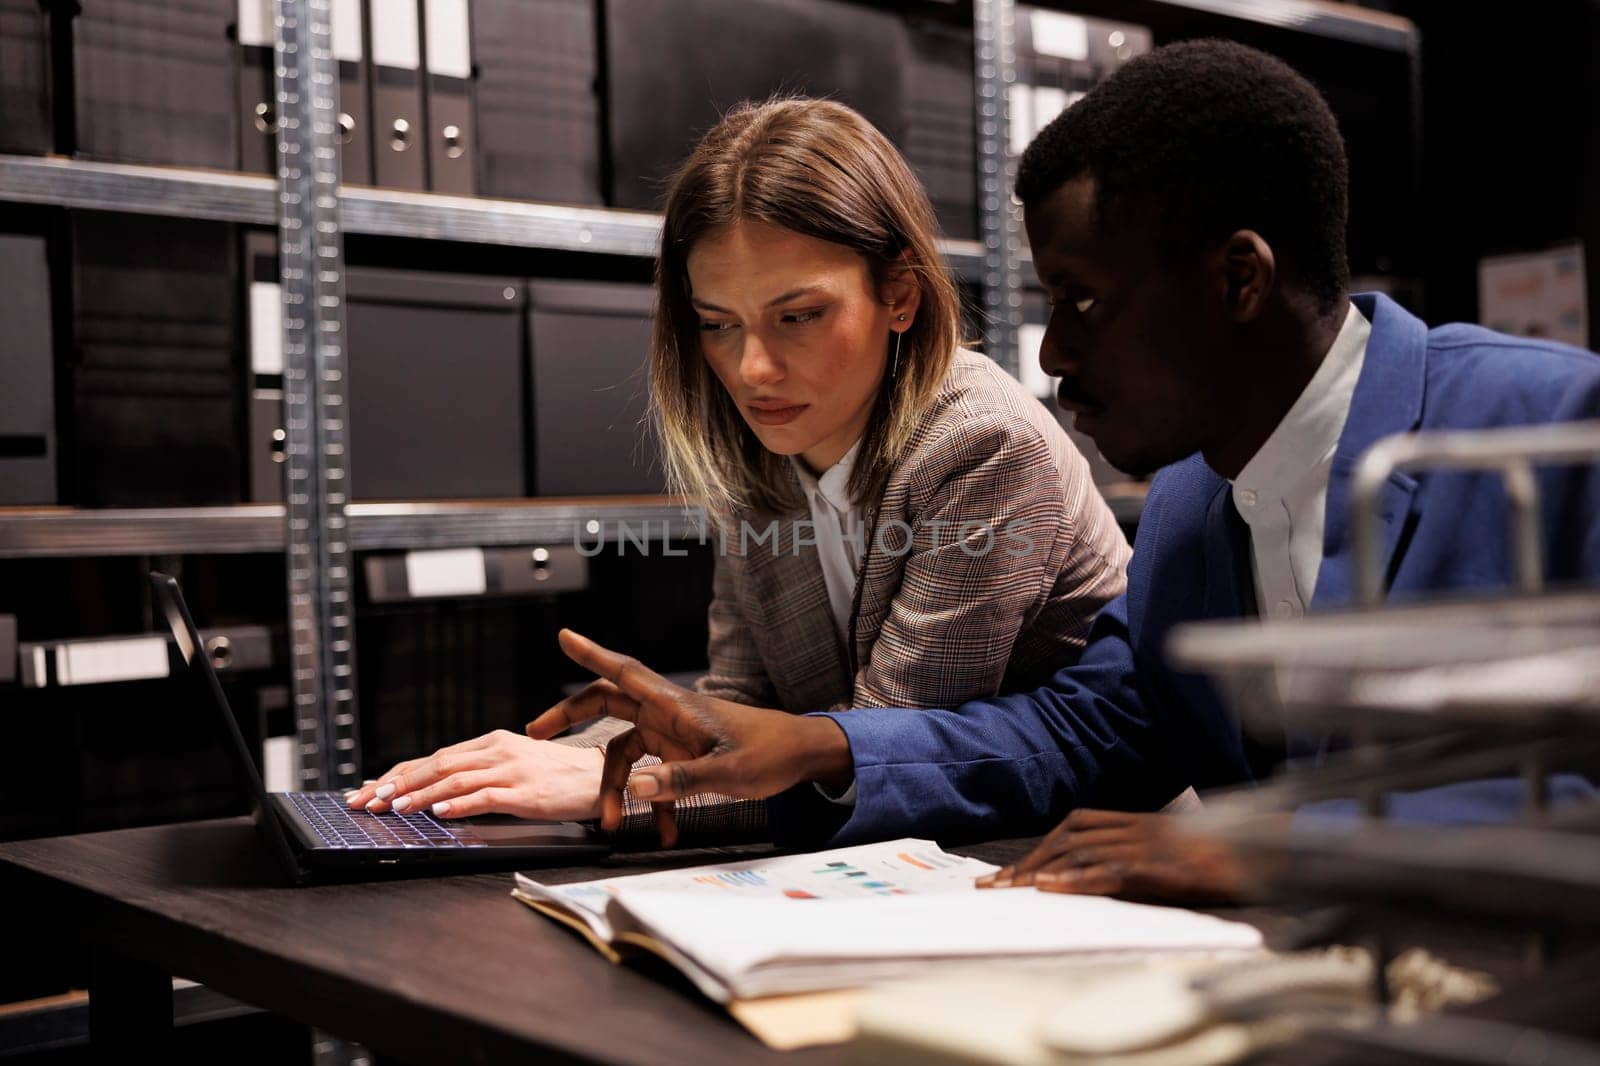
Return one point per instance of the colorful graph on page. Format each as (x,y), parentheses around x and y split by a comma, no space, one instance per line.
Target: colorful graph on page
(897,868)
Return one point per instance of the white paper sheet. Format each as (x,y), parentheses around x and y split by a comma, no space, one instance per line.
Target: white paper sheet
(856,916)
(765,946)
(896,867)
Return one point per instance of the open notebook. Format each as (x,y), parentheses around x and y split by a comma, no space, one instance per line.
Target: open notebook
(854,917)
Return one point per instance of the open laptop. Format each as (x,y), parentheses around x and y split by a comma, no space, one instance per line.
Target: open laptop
(311,832)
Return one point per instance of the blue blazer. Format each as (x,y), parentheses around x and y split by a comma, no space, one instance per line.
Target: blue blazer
(1120,729)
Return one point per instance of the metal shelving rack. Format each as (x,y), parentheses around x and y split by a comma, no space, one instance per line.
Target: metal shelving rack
(251,199)
(324,529)
(318,527)
(30,533)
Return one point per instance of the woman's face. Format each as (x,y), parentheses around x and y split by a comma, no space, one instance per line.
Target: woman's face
(797,332)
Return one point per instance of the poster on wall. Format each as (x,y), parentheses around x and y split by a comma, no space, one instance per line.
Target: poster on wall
(1537,294)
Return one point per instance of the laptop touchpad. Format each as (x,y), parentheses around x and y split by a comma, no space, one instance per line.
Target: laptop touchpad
(498,829)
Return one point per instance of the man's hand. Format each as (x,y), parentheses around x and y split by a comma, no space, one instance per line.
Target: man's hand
(705,744)
(1110,853)
(498,773)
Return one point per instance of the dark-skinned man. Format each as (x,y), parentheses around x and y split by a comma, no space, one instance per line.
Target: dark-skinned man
(1187,219)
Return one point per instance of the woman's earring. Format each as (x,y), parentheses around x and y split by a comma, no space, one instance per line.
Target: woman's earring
(894,371)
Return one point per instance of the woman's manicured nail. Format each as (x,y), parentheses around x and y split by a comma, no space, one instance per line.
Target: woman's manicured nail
(402,803)
(385,791)
(372,805)
(441,808)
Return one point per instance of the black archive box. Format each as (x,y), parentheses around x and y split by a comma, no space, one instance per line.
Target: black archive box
(27,373)
(156,82)
(157,415)
(590,346)
(25,113)
(538,109)
(672,69)
(435,385)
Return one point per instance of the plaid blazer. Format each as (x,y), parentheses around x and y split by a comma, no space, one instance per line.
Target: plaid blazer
(987,557)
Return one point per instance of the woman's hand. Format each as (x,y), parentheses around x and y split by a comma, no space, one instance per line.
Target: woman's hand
(706,744)
(499,773)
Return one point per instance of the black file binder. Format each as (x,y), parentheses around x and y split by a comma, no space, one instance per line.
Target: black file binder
(157,416)
(399,155)
(155,82)
(27,374)
(538,109)
(355,113)
(258,115)
(435,386)
(452,137)
(591,389)
(8,648)
(264,356)
(733,50)
(257,94)
(25,115)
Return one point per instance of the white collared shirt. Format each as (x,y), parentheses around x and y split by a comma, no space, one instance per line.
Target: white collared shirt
(1282,491)
(841,534)
(840,527)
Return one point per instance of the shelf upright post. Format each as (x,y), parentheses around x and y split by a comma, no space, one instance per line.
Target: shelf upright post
(999,215)
(311,272)
(311,268)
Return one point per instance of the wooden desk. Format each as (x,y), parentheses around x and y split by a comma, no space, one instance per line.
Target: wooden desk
(451,969)
(442,969)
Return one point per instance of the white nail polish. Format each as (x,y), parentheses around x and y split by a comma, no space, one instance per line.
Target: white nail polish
(402,803)
(372,806)
(441,808)
(385,791)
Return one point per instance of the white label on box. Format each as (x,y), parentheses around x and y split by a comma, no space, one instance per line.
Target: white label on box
(394,34)
(347,31)
(1030,338)
(100,661)
(1055,34)
(452,572)
(1019,101)
(266,327)
(255,23)
(449,45)
(278,769)
(1047,104)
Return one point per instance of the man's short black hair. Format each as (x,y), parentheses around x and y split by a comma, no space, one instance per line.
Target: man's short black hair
(1208,137)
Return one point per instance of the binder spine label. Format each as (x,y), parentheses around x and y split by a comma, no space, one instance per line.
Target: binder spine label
(395,42)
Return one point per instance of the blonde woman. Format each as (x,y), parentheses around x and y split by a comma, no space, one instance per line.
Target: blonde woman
(898,522)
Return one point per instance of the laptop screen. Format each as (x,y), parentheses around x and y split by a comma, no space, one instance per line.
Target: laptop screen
(192,648)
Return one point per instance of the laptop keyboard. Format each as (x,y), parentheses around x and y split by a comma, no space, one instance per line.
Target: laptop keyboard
(340,827)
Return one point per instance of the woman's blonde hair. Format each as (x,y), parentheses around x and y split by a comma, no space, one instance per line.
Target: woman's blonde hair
(817,168)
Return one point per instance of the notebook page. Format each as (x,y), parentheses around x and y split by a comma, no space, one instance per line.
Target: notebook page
(892,868)
(852,941)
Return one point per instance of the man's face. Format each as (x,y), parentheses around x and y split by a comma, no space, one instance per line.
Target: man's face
(1133,337)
